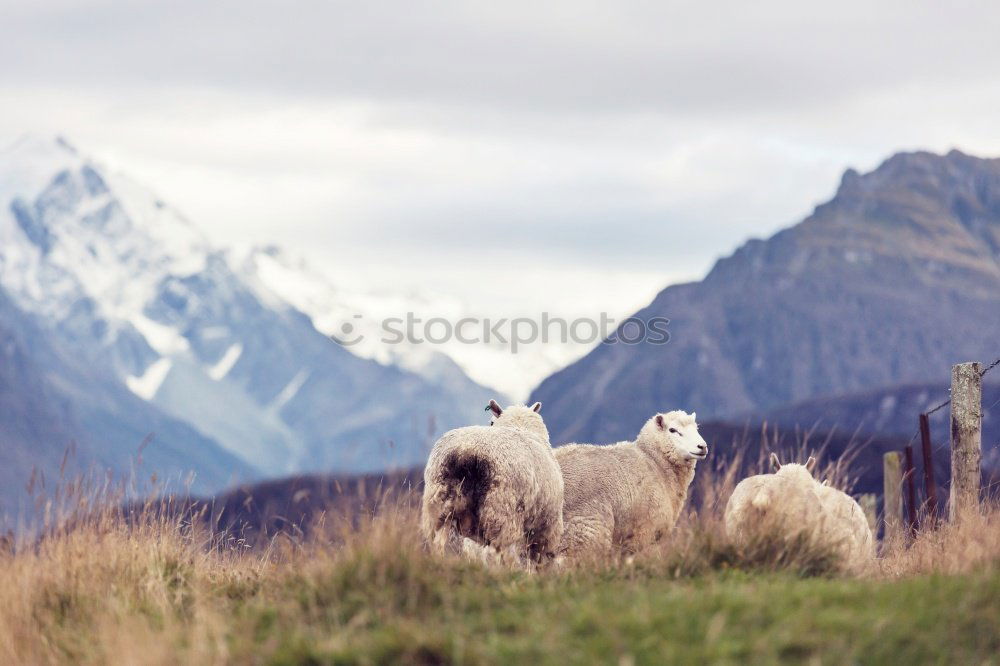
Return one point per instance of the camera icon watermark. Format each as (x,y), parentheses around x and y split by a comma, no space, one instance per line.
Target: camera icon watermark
(350,334)
(514,333)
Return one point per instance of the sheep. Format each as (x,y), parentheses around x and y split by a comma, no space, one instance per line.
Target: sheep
(628,495)
(783,504)
(846,529)
(495,490)
(791,503)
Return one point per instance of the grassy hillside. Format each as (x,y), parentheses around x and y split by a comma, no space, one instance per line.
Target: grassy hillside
(334,571)
(365,591)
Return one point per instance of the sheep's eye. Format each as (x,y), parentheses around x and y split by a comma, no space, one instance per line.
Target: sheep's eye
(674,430)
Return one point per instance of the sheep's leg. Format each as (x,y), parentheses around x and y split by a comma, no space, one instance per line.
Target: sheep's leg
(479,553)
(438,526)
(544,536)
(434,534)
(501,525)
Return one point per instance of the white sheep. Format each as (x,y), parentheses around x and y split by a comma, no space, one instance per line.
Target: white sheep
(492,490)
(628,495)
(790,503)
(783,504)
(846,529)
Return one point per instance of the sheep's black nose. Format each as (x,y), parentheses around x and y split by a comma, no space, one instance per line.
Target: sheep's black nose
(703,448)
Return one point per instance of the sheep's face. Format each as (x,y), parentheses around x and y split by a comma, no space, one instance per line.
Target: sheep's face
(519,416)
(677,432)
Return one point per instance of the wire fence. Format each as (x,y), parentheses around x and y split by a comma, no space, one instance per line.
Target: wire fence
(898,476)
(935,408)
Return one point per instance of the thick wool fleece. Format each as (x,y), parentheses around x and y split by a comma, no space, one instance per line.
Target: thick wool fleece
(791,502)
(846,529)
(497,485)
(784,503)
(624,496)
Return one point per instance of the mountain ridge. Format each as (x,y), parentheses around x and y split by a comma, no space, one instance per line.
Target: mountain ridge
(129,289)
(60,417)
(891,281)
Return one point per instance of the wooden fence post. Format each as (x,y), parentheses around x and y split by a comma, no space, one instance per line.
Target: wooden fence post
(929,486)
(892,499)
(966,438)
(911,492)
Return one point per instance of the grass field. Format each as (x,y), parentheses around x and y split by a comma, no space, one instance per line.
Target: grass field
(159,591)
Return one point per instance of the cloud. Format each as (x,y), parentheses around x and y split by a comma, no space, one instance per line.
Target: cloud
(637,139)
(670,57)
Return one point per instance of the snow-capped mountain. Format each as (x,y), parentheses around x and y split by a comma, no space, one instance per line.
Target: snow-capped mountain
(61,415)
(359,317)
(125,284)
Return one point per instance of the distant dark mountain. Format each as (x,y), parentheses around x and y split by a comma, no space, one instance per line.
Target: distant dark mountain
(752,437)
(891,282)
(257,512)
(55,407)
(290,506)
(892,411)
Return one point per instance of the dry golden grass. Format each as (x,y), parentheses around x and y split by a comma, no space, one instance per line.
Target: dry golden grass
(155,589)
(960,548)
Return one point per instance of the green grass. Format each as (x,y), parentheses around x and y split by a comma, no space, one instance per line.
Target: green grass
(370,593)
(456,616)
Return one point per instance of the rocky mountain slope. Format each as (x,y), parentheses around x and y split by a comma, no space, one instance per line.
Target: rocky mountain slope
(891,282)
(373,321)
(891,410)
(61,416)
(133,293)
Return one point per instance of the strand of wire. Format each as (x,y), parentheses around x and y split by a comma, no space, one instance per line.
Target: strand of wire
(982,373)
(990,367)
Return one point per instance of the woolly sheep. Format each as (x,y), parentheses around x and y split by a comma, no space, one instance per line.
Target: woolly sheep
(493,490)
(846,528)
(629,495)
(791,502)
(785,502)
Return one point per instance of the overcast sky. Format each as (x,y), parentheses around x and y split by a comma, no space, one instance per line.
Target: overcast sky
(573,155)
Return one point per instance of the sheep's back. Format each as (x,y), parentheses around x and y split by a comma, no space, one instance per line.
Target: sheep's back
(596,475)
(770,502)
(514,457)
(847,526)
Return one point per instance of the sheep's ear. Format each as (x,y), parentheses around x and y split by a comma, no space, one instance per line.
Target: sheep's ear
(775,463)
(495,408)
(694,416)
(811,463)
(537,407)
(659,422)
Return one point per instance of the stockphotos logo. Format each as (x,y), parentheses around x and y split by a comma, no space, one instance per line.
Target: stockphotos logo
(514,333)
